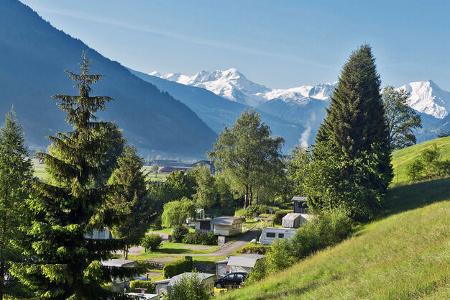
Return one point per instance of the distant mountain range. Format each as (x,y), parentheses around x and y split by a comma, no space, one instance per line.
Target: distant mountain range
(306,105)
(167,115)
(33,58)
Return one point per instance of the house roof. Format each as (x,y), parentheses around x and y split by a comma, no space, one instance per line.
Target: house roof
(248,261)
(299,198)
(143,296)
(201,276)
(278,229)
(118,263)
(226,220)
(292,216)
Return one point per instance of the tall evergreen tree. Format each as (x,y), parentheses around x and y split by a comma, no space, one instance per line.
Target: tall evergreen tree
(129,202)
(64,262)
(15,180)
(355,129)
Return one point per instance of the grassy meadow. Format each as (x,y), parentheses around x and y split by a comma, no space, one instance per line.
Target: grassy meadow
(402,158)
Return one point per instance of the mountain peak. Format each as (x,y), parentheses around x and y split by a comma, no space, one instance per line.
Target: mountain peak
(427,97)
(235,86)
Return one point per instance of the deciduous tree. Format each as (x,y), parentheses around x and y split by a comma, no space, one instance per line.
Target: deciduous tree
(248,155)
(401,119)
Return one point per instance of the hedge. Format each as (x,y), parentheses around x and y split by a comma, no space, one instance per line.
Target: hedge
(146,284)
(200,238)
(177,267)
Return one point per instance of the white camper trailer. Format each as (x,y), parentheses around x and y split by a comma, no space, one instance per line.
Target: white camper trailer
(269,234)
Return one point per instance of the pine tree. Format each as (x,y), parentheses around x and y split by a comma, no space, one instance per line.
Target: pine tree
(64,263)
(356,132)
(15,180)
(129,202)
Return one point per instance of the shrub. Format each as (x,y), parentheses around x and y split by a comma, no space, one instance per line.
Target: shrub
(254,249)
(200,238)
(151,242)
(145,284)
(188,288)
(255,210)
(179,233)
(177,267)
(279,216)
(325,230)
(429,166)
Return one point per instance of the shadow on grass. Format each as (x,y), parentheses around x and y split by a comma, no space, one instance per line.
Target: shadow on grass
(416,195)
(173,251)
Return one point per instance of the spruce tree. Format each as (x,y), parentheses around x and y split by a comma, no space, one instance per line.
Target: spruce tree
(64,262)
(15,180)
(355,131)
(128,202)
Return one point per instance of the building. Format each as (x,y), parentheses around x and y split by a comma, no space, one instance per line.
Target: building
(207,279)
(300,204)
(241,263)
(203,225)
(269,234)
(99,234)
(295,220)
(119,284)
(227,226)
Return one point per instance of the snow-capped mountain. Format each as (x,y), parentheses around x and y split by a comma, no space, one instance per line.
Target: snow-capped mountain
(234,86)
(306,105)
(428,98)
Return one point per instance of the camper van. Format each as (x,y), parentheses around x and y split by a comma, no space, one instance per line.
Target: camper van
(269,234)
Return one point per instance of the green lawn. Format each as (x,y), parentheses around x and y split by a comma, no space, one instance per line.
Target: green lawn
(405,255)
(402,158)
(169,249)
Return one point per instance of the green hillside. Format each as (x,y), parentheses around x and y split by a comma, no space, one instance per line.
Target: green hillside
(405,255)
(402,158)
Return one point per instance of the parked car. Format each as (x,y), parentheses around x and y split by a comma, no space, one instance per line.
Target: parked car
(231,280)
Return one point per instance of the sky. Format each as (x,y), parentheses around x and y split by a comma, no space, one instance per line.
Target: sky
(280,44)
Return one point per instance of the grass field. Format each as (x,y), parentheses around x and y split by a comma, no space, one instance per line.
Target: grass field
(174,249)
(405,254)
(402,158)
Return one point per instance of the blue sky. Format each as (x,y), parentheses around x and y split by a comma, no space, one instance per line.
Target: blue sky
(278,43)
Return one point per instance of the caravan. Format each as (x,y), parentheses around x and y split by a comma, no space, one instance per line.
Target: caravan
(269,234)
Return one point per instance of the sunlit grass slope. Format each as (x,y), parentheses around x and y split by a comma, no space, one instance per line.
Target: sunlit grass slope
(402,158)
(402,256)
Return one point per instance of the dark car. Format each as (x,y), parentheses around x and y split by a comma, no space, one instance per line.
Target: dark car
(231,280)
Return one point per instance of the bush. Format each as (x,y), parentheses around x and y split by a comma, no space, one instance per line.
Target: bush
(325,230)
(429,165)
(145,284)
(200,238)
(256,210)
(179,233)
(151,242)
(188,288)
(279,216)
(254,249)
(177,267)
